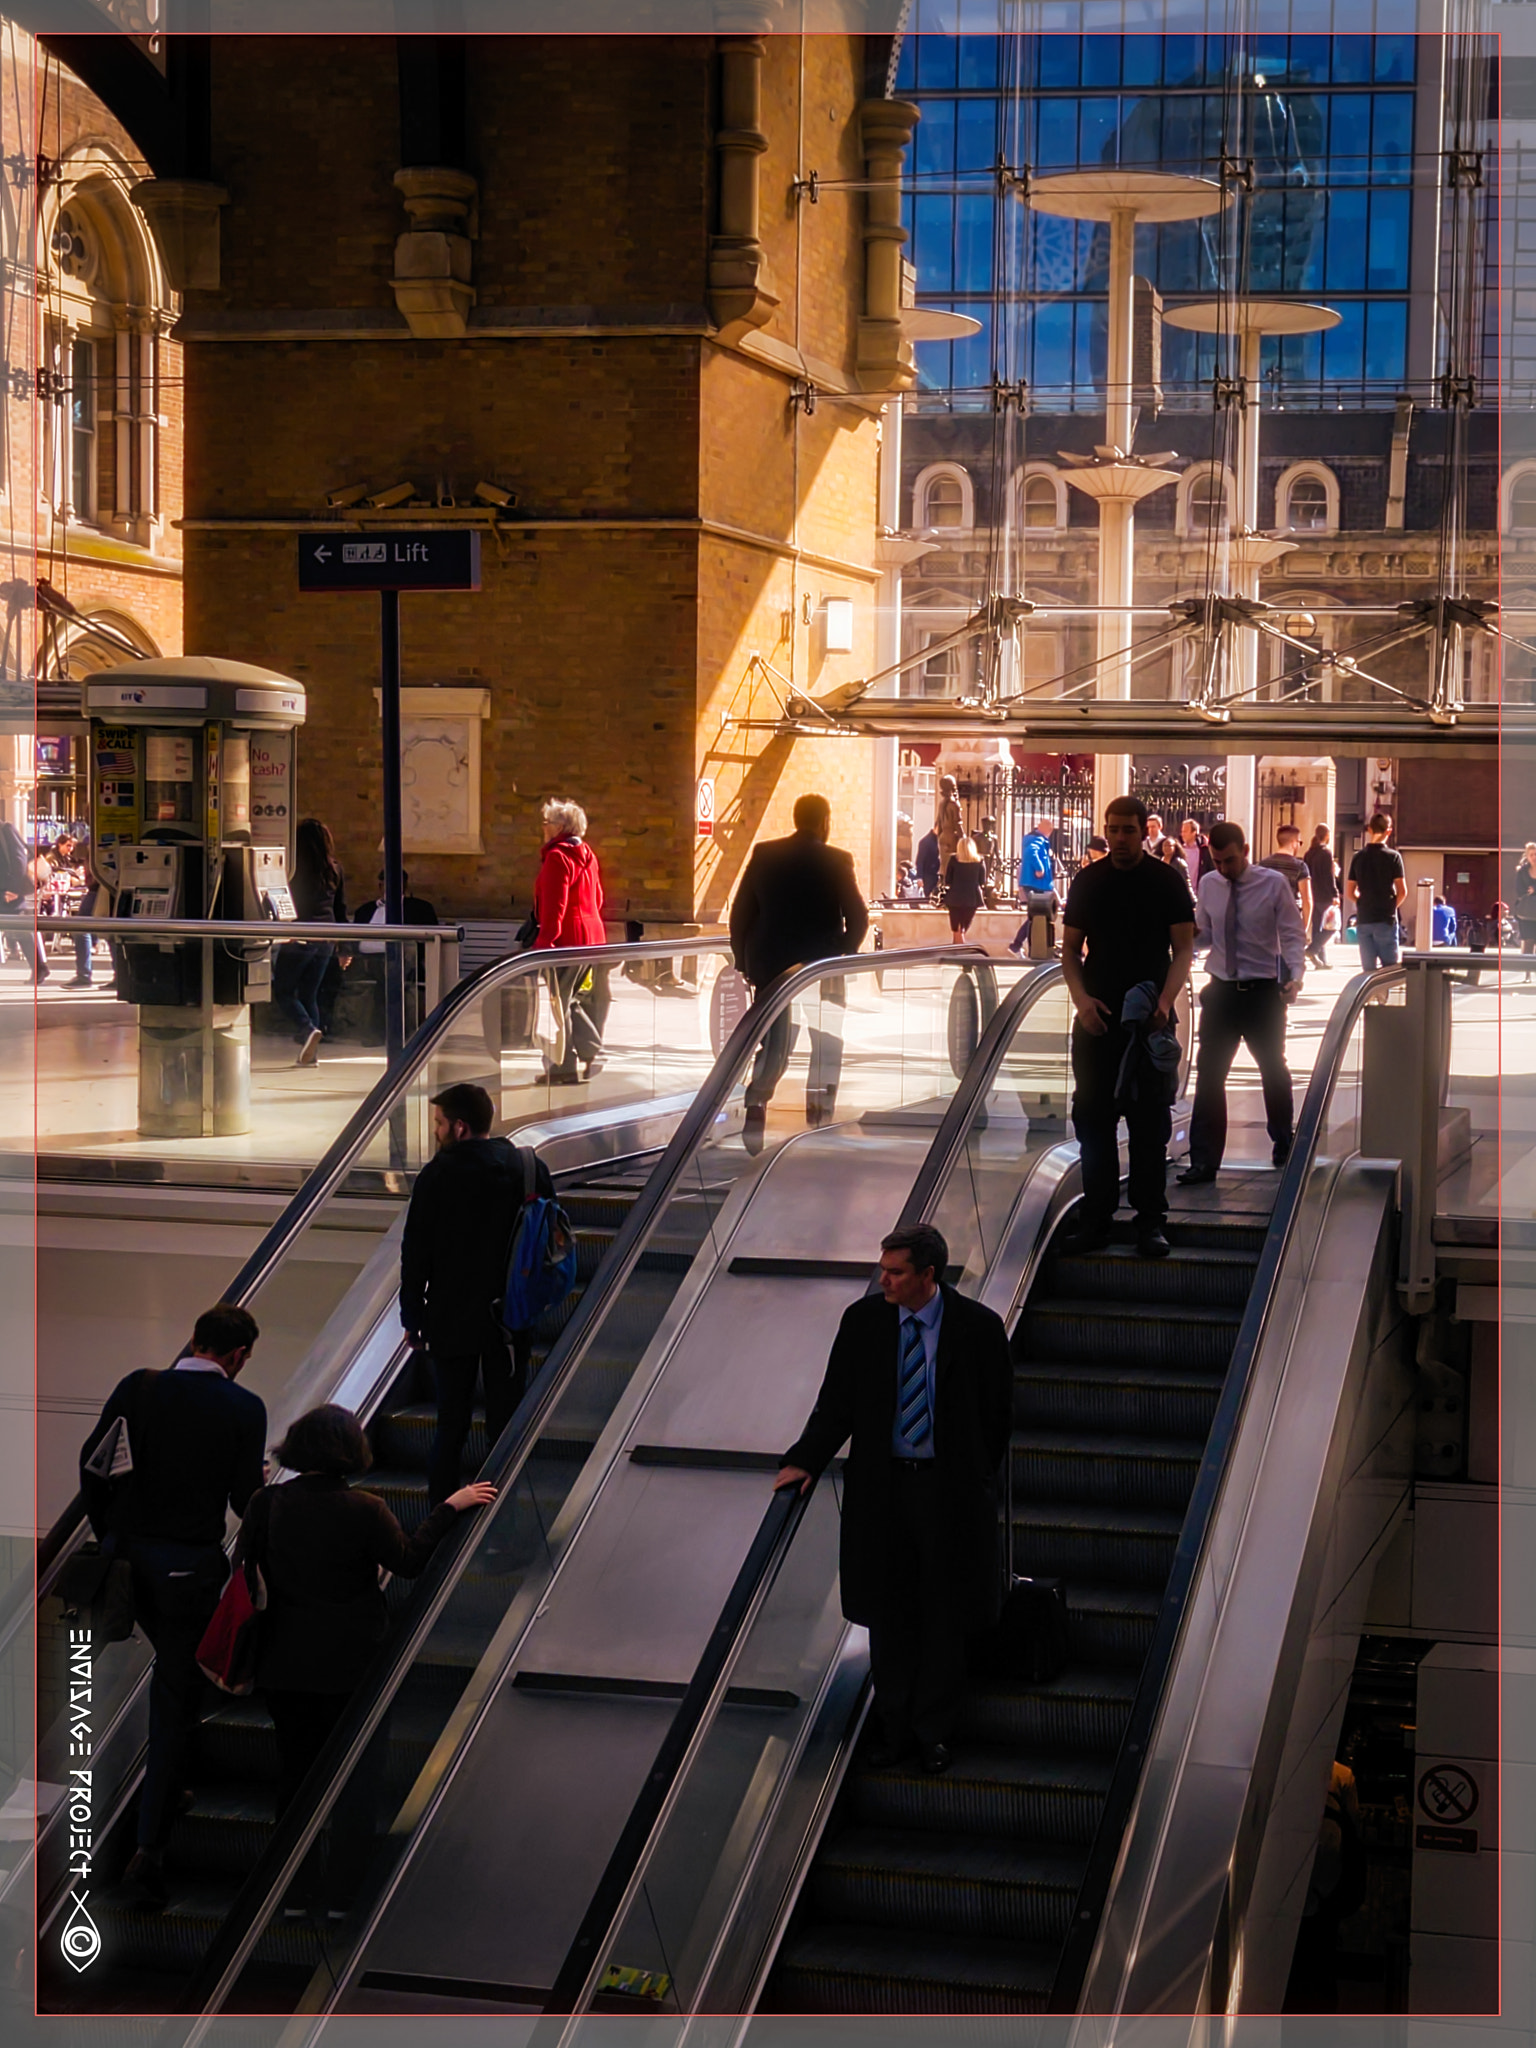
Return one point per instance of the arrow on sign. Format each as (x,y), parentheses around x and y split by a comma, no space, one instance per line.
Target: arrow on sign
(322,554)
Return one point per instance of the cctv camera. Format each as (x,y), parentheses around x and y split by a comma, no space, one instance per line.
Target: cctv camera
(349,494)
(493,494)
(397,494)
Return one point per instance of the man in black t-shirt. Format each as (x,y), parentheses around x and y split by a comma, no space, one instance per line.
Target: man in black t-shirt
(1133,916)
(1375,889)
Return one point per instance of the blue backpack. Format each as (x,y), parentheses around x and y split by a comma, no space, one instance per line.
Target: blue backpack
(541,1261)
(1035,870)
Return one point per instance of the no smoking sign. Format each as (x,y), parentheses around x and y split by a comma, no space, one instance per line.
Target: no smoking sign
(1448,1796)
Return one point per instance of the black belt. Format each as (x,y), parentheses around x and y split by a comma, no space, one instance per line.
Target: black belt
(914,1464)
(1269,981)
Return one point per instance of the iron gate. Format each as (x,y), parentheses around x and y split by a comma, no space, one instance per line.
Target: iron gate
(1178,792)
(1017,802)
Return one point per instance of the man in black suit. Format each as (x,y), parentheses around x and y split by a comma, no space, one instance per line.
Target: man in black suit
(921,1379)
(453,1270)
(190,1446)
(798,901)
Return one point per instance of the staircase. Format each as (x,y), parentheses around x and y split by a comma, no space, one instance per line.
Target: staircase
(146,1954)
(955,1894)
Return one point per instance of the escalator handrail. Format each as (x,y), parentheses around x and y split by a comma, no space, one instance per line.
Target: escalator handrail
(1077,1952)
(322,1180)
(296,1829)
(695,1712)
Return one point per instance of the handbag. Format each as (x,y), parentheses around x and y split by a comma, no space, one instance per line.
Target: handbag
(231,1643)
(98,1584)
(528,930)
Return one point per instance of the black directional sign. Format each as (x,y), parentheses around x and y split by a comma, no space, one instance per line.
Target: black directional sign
(442,558)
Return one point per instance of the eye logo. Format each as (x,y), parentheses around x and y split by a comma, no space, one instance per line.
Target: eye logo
(81,1939)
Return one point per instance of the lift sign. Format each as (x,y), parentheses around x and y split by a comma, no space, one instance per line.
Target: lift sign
(442,558)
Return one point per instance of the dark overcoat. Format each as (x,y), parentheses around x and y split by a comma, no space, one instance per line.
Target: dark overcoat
(798,901)
(972,1421)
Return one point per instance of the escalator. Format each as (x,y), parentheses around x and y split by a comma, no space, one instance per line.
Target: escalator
(1212,1452)
(639,1249)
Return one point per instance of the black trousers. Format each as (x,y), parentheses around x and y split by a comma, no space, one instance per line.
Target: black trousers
(303,1721)
(1095,1119)
(1234,1013)
(584,1016)
(1317,938)
(504,1374)
(176,1587)
(825,1069)
(917,1648)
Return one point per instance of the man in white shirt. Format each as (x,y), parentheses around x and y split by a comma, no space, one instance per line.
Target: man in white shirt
(1249,918)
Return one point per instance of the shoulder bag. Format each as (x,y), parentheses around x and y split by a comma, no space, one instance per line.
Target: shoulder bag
(232,1640)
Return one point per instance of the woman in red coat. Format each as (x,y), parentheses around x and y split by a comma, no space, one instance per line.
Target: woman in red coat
(568,904)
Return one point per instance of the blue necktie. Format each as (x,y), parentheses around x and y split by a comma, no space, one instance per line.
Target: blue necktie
(915,1424)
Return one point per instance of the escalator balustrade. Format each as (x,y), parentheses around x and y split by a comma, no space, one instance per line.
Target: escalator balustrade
(956,1893)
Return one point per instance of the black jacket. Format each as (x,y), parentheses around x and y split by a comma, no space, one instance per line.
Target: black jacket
(971,1425)
(321,1544)
(417,911)
(318,898)
(458,1232)
(798,901)
(197,1441)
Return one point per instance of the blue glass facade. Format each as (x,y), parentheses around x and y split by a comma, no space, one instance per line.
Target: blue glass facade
(1326,121)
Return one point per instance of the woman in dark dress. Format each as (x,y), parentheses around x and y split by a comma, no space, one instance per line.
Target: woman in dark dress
(1324,870)
(964,882)
(318,889)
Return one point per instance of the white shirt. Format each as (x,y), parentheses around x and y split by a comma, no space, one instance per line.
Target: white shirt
(1271,941)
(191,1364)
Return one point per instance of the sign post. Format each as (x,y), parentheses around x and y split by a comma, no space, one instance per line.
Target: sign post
(441,558)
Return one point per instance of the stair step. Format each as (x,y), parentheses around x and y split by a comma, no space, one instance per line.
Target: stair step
(1200,1275)
(844,1967)
(886,1877)
(1150,1333)
(1081,1709)
(1126,1546)
(1117,1471)
(985,1791)
(1079,1397)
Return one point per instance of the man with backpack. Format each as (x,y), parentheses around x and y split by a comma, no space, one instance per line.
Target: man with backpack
(465,1208)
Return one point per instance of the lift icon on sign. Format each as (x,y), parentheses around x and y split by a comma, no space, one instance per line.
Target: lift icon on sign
(365,551)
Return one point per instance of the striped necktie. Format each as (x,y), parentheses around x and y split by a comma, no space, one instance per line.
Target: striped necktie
(916,1424)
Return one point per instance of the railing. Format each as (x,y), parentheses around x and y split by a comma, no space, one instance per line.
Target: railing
(1312,1129)
(819,989)
(652,1870)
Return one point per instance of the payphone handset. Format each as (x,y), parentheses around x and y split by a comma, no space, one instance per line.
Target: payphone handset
(272,891)
(148,881)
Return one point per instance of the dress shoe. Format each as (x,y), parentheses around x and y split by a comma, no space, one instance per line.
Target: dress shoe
(1151,1244)
(936,1758)
(1281,1153)
(1197,1176)
(754,1129)
(817,1114)
(1085,1238)
(144,1881)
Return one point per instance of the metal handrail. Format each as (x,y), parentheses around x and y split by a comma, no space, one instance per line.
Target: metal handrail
(297,1829)
(572,1988)
(1077,1952)
(356,1134)
(128,929)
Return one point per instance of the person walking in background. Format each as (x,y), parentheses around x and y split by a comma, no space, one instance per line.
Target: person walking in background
(1155,837)
(949,824)
(1249,918)
(1524,898)
(194,1444)
(1197,853)
(73,854)
(1376,889)
(18,897)
(1323,871)
(453,1270)
(568,905)
(318,888)
(1171,853)
(965,881)
(798,901)
(1286,860)
(927,864)
(921,1381)
(1128,920)
(321,1543)
(1444,923)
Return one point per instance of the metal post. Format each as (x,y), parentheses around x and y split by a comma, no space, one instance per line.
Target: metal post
(1428,1008)
(394,867)
(205,1034)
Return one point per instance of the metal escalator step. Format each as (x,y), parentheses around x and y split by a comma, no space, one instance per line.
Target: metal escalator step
(887,1877)
(842,1967)
(598,1207)
(1127,1546)
(1237,1233)
(236,1742)
(176,1939)
(1081,1710)
(1117,1471)
(1108,1397)
(1111,1624)
(985,1792)
(226,1829)
(1203,1276)
(1149,1333)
